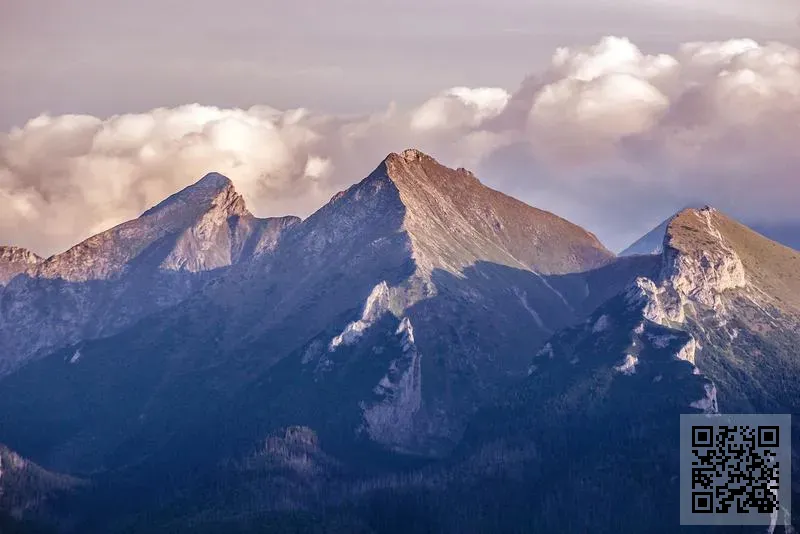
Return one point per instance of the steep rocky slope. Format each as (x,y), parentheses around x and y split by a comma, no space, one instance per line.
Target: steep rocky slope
(441,266)
(454,221)
(588,441)
(118,276)
(596,422)
(652,242)
(384,318)
(417,315)
(15,260)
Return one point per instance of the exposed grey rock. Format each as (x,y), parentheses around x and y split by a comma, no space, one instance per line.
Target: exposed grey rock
(699,275)
(115,278)
(416,245)
(385,321)
(391,420)
(477,275)
(15,260)
(652,242)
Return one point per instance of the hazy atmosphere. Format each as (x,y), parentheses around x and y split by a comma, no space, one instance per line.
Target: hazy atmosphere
(377,267)
(611,114)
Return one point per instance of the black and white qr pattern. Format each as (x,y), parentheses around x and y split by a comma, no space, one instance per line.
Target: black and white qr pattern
(734,466)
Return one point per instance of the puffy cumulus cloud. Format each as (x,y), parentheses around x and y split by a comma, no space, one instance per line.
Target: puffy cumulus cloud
(70,176)
(65,178)
(607,135)
(615,138)
(594,97)
(459,107)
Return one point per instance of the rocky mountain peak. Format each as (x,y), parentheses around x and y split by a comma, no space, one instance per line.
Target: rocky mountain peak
(652,242)
(212,191)
(409,155)
(423,166)
(709,259)
(695,230)
(193,219)
(699,265)
(454,220)
(114,278)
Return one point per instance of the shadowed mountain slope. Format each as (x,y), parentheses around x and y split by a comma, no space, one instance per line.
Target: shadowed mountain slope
(114,278)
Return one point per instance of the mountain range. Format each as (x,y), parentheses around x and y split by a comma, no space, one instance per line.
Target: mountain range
(423,353)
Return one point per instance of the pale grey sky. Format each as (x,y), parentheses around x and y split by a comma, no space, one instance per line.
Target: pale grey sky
(613,133)
(105,57)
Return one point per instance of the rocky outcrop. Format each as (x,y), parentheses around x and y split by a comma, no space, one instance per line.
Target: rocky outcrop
(390,419)
(699,263)
(698,268)
(295,448)
(716,274)
(15,260)
(699,271)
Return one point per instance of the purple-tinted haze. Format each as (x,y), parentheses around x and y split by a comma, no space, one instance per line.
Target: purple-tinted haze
(611,135)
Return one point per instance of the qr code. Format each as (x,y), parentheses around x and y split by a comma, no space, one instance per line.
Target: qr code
(734,467)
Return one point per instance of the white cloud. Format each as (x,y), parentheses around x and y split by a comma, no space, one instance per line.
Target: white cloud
(459,107)
(605,135)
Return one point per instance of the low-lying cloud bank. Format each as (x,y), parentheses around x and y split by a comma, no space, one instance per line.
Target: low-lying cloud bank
(607,136)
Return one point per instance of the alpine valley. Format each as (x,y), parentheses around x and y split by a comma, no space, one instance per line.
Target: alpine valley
(422,354)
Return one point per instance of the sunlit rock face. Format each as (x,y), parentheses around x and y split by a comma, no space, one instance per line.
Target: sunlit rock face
(415,291)
(114,278)
(15,260)
(415,316)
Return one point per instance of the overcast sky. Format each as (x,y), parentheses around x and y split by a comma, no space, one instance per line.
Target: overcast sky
(105,57)
(115,57)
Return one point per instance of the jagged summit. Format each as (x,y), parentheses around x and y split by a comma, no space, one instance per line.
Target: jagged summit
(416,160)
(213,188)
(652,242)
(454,220)
(193,229)
(730,255)
(409,155)
(702,231)
(117,276)
(691,229)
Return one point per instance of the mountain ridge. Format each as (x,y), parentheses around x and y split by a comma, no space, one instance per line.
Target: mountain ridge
(708,331)
(410,289)
(423,183)
(652,242)
(418,318)
(127,272)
